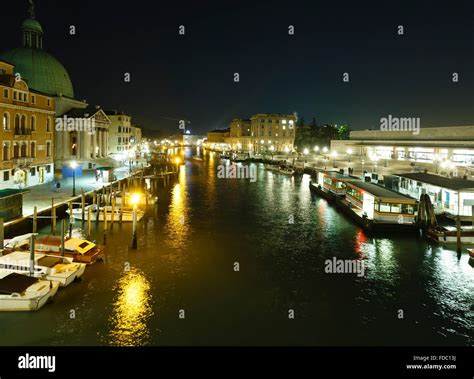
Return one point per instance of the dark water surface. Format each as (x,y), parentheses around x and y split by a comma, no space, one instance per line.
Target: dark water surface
(188,247)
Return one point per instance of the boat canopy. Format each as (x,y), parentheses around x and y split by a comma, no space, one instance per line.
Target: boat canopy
(15,283)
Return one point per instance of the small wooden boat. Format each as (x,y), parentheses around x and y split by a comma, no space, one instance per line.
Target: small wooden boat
(127,214)
(49,267)
(80,250)
(24,293)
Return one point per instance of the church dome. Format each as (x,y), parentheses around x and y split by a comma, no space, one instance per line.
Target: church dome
(41,70)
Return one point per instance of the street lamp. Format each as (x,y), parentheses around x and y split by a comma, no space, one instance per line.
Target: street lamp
(334,155)
(349,153)
(316,149)
(325,150)
(135,200)
(305,151)
(73,166)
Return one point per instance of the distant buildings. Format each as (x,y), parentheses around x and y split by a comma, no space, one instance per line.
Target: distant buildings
(263,132)
(439,146)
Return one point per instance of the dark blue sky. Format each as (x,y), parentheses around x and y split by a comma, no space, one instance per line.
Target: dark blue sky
(192,76)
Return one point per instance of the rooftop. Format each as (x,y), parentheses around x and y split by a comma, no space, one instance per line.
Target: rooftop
(456,184)
(338,175)
(379,191)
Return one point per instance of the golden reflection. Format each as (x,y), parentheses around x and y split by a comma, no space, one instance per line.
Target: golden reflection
(132,309)
(178,223)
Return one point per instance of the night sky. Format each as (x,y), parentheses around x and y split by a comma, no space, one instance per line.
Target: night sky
(191,76)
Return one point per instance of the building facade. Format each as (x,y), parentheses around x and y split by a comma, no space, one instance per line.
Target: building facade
(240,138)
(27,133)
(121,133)
(272,132)
(82,136)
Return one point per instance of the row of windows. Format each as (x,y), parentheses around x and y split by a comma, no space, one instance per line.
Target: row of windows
(277,121)
(21,123)
(269,134)
(21,150)
(124,140)
(394,208)
(125,130)
(7,174)
(21,96)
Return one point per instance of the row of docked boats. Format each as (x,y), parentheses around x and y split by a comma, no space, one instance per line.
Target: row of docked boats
(33,268)
(105,212)
(280,169)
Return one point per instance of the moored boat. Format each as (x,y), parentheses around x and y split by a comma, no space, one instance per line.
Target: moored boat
(23,293)
(127,214)
(80,250)
(49,267)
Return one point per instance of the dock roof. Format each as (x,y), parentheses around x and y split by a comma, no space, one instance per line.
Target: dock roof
(381,192)
(456,184)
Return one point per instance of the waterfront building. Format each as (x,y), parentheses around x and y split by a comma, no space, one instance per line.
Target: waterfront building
(434,146)
(273,132)
(85,138)
(448,195)
(121,133)
(26,133)
(216,139)
(240,138)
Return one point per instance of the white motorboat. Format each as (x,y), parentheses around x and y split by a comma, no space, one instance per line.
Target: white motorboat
(23,293)
(127,214)
(50,267)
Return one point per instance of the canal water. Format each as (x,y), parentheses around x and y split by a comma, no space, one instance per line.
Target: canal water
(229,261)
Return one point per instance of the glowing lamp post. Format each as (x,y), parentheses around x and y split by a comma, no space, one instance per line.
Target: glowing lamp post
(73,166)
(135,200)
(334,156)
(325,151)
(349,153)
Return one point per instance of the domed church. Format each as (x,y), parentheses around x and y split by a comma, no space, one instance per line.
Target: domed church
(45,74)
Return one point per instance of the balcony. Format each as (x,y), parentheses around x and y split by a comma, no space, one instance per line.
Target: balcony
(22,160)
(22,132)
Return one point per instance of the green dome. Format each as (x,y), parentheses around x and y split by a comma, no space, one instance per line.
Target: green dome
(43,72)
(31,24)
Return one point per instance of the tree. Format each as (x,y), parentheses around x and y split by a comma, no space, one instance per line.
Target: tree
(344,132)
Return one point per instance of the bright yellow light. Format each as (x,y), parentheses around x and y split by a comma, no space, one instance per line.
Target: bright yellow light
(305,151)
(349,151)
(177,160)
(135,198)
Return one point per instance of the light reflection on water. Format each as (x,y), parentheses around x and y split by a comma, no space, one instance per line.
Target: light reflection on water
(131,310)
